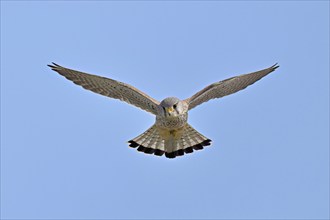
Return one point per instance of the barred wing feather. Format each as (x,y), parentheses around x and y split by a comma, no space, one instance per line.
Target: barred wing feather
(227,87)
(109,87)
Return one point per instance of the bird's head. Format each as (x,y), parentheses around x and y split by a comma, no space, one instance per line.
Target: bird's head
(172,107)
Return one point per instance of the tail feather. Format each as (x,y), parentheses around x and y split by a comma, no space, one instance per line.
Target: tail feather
(173,143)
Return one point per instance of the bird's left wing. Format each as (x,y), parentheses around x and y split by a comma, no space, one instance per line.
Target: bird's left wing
(109,87)
(227,87)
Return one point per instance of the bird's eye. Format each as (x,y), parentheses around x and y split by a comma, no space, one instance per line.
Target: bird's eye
(174,106)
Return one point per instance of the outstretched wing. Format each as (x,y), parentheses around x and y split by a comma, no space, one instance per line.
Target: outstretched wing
(109,87)
(227,87)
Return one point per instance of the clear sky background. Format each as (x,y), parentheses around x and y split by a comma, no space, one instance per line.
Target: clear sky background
(63,149)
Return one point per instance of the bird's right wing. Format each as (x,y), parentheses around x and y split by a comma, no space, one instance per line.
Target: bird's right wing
(227,87)
(109,87)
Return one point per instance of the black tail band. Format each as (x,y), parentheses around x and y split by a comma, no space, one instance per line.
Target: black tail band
(171,155)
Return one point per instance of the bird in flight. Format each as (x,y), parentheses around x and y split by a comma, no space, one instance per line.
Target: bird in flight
(170,134)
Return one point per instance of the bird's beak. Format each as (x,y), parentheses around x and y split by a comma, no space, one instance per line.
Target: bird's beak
(170,109)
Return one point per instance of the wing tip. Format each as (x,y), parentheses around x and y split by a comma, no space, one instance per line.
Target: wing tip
(54,66)
(275,66)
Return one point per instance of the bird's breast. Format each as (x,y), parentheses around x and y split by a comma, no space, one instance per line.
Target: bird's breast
(172,122)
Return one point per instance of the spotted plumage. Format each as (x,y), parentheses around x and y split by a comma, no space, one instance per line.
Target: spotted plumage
(170,134)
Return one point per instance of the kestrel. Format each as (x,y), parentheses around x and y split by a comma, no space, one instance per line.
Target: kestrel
(170,134)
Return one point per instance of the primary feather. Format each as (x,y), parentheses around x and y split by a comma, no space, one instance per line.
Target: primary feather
(227,86)
(109,87)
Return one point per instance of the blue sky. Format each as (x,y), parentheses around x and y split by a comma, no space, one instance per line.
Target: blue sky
(63,149)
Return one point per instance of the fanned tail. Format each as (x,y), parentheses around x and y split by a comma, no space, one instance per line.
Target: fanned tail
(149,142)
(173,143)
